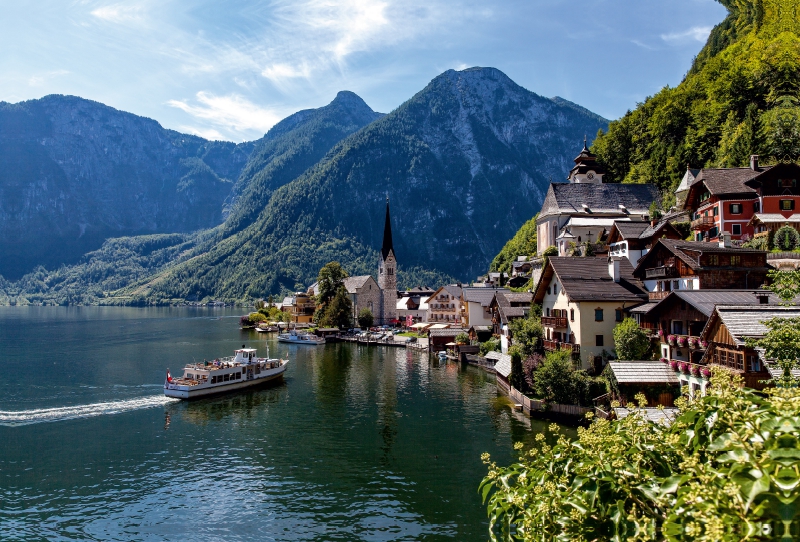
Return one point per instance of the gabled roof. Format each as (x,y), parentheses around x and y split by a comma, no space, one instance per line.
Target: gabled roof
(724,182)
(483,296)
(505,309)
(685,250)
(353,284)
(452,289)
(744,322)
(605,198)
(449,332)
(587,279)
(705,300)
(688,179)
(643,372)
(628,230)
(503,365)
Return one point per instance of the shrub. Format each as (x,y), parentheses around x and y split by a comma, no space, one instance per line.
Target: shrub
(365,318)
(492,345)
(786,238)
(724,469)
(526,333)
(553,378)
(462,338)
(631,341)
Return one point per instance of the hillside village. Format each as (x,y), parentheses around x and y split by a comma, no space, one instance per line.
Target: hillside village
(690,278)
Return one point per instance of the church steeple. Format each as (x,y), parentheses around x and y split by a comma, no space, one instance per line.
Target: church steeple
(387,234)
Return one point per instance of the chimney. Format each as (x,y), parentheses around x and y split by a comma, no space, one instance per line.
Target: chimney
(763,297)
(754,162)
(613,269)
(725,240)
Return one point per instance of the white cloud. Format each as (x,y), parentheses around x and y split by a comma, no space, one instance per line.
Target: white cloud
(119,13)
(696,33)
(232,114)
(205,133)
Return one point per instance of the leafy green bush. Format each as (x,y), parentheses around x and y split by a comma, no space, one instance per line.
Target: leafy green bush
(492,345)
(462,338)
(726,469)
(525,333)
(365,318)
(630,341)
(553,379)
(786,238)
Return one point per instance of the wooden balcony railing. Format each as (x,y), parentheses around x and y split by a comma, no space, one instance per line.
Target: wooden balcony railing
(656,296)
(553,346)
(554,321)
(663,272)
(703,223)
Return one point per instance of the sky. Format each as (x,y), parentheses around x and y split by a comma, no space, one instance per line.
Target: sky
(231,69)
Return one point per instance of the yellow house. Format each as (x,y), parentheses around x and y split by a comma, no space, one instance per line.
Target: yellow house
(582,299)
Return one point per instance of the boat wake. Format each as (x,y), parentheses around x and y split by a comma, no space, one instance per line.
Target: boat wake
(11,418)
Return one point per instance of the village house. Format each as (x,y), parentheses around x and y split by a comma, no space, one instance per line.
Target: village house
(438,339)
(414,306)
(633,239)
(726,334)
(656,380)
(584,209)
(475,304)
(445,305)
(506,307)
(582,299)
(688,265)
(300,307)
(677,321)
(742,202)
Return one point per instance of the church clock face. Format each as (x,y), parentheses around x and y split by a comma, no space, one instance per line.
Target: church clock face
(590,175)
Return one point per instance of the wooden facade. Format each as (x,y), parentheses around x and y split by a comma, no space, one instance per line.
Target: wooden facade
(724,350)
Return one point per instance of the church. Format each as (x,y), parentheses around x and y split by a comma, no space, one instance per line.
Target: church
(380,296)
(583,209)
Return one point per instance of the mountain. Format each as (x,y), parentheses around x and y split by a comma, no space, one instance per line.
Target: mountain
(75,172)
(291,147)
(285,152)
(740,97)
(464,162)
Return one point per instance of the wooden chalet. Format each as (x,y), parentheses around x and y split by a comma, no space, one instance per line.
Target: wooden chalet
(632,239)
(689,265)
(727,332)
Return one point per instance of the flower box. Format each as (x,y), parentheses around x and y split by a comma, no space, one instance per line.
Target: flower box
(660,332)
(694,342)
(663,360)
(705,372)
(674,365)
(704,344)
(681,341)
(671,340)
(685,368)
(695,370)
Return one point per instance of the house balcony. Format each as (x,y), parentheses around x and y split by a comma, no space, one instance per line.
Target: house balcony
(554,321)
(657,296)
(703,223)
(683,341)
(554,346)
(663,272)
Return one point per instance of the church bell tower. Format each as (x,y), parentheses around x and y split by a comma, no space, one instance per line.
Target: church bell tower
(387,274)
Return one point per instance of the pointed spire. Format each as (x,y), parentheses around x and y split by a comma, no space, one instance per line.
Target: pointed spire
(387,234)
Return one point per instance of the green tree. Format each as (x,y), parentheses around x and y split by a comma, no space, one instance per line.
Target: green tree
(526,333)
(781,343)
(517,376)
(330,279)
(338,312)
(630,341)
(462,338)
(726,468)
(256,317)
(365,318)
(553,378)
(785,284)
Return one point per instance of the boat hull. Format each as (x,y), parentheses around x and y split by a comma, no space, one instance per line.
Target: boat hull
(307,343)
(195,392)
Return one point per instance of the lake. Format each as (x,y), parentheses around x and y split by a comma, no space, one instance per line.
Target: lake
(357,443)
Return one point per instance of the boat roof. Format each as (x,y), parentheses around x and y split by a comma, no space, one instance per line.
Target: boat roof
(245,350)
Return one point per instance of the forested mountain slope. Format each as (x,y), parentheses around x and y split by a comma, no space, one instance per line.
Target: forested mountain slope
(740,97)
(285,152)
(465,162)
(74,172)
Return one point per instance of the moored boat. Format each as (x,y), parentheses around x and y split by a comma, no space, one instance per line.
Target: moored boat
(242,370)
(294,337)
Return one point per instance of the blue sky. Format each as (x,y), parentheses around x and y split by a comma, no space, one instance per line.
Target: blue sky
(230,70)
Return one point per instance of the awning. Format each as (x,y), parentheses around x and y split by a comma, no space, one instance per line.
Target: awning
(440,326)
(420,325)
(450,344)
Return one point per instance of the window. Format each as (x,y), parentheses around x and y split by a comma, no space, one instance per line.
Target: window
(555,288)
(716,211)
(618,315)
(226,378)
(548,312)
(548,290)
(598,340)
(788,183)
(713,259)
(787,205)
(572,315)
(736,260)
(736,229)
(598,316)
(677,327)
(713,232)
(391,271)
(735,208)
(753,364)
(213,379)
(740,362)
(756,207)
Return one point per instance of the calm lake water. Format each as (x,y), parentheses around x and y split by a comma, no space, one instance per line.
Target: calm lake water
(358,443)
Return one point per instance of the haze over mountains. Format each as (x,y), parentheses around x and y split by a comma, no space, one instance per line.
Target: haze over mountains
(465,162)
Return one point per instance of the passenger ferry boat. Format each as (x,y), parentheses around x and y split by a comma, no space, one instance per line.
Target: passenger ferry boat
(300,338)
(242,370)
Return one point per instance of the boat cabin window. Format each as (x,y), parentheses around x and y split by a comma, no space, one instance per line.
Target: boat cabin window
(226,377)
(213,379)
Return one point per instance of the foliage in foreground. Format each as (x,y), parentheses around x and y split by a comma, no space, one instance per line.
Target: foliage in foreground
(726,469)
